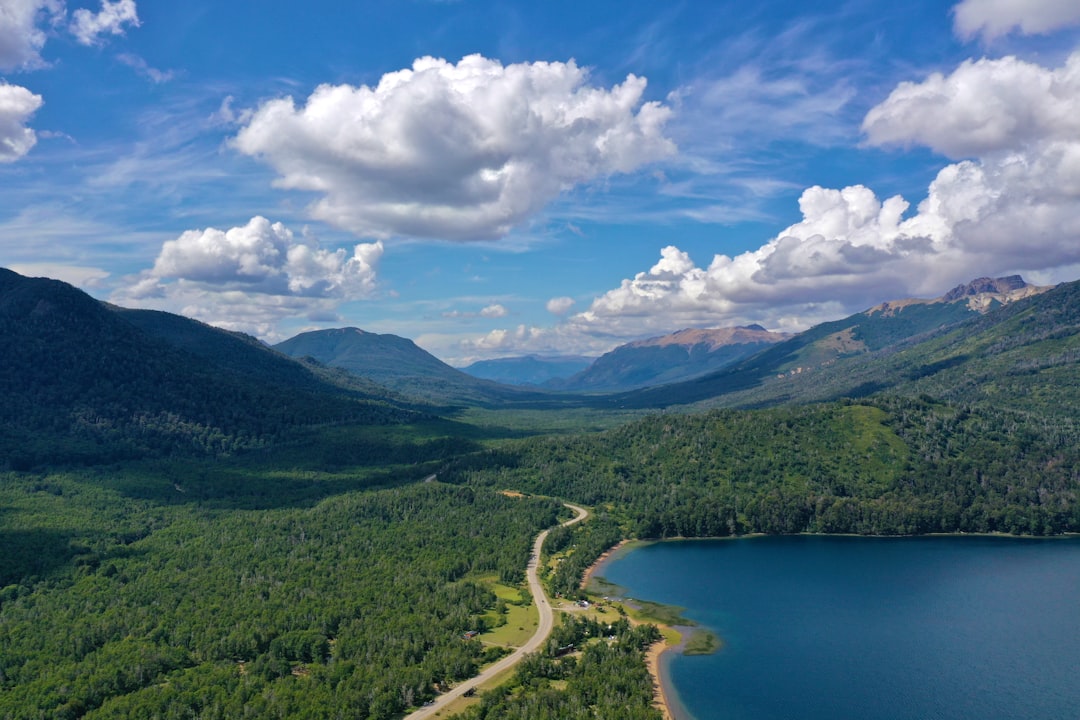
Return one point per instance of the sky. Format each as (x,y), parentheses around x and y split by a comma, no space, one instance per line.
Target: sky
(496,179)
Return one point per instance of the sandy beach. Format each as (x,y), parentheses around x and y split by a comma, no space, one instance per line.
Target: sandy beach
(652,659)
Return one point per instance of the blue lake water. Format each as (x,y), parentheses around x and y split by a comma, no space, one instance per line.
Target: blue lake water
(821,628)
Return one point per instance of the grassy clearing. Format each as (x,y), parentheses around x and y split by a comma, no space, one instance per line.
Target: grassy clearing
(521,623)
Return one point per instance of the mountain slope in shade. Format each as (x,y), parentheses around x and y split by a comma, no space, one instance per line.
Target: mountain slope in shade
(528,370)
(80,383)
(795,370)
(399,364)
(670,358)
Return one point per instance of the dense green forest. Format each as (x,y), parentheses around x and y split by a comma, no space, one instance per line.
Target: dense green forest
(353,607)
(884,466)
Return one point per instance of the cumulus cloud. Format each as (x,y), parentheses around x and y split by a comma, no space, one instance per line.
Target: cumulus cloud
(503,341)
(1013,207)
(21,37)
(982,107)
(17,105)
(88,27)
(254,275)
(494,311)
(993,18)
(560,305)
(458,152)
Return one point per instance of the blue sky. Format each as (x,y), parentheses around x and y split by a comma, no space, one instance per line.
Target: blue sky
(495,179)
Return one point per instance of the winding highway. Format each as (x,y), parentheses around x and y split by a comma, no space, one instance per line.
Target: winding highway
(547,622)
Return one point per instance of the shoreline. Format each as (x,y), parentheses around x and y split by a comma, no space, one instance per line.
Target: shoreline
(662,692)
(665,695)
(599,562)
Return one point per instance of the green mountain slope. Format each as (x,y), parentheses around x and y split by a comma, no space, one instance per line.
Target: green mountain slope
(83,384)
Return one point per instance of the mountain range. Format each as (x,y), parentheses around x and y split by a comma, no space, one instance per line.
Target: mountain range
(85,381)
(849,357)
(534,370)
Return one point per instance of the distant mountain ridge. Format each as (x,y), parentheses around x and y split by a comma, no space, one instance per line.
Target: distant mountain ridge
(796,369)
(399,364)
(669,358)
(528,369)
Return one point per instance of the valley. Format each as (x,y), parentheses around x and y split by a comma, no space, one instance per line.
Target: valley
(195,523)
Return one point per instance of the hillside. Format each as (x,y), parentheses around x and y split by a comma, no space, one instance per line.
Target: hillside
(970,428)
(669,358)
(81,383)
(825,361)
(527,370)
(400,365)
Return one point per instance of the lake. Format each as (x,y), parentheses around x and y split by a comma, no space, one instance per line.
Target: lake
(829,628)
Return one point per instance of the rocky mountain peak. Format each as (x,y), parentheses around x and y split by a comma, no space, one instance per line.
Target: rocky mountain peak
(997,286)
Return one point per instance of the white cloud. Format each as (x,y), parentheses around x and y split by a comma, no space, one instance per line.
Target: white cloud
(21,38)
(88,27)
(141,67)
(982,107)
(560,305)
(251,277)
(502,341)
(458,152)
(494,310)
(17,105)
(993,18)
(1014,208)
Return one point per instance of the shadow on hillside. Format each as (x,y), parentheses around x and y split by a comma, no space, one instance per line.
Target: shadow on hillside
(237,488)
(297,474)
(31,555)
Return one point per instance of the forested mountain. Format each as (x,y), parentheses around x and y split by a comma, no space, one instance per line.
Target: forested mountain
(399,364)
(82,382)
(818,364)
(527,370)
(972,428)
(669,358)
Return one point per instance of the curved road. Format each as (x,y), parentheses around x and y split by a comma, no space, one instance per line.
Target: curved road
(547,622)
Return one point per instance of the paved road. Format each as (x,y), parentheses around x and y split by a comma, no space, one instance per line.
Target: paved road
(547,622)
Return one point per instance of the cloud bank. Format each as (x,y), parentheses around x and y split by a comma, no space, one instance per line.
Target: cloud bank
(456,152)
(250,277)
(1012,205)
